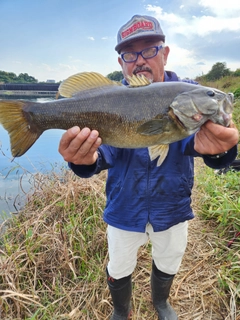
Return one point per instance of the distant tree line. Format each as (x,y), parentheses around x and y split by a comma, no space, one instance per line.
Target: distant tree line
(10,77)
(218,71)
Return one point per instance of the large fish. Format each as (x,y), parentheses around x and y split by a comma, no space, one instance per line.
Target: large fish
(135,116)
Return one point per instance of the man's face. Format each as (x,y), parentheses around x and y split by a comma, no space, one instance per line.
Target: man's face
(152,68)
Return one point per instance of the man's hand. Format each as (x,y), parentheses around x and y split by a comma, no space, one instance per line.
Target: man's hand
(80,146)
(215,139)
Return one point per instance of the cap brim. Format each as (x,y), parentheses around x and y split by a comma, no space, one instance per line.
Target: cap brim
(124,43)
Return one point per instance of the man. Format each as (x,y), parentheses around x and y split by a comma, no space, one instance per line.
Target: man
(145,201)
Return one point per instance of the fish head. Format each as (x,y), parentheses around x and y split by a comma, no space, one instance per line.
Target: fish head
(194,108)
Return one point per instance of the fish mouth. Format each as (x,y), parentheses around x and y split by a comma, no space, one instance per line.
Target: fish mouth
(176,119)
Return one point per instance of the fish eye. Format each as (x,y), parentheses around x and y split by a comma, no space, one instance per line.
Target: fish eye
(211,93)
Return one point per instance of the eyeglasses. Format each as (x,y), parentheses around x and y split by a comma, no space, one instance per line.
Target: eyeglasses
(147,53)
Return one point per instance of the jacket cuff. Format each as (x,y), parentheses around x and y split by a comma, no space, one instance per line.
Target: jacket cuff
(221,161)
(87,171)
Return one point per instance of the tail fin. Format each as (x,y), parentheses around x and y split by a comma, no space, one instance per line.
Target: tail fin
(14,120)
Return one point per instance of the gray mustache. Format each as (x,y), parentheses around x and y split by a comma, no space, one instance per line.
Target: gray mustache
(138,69)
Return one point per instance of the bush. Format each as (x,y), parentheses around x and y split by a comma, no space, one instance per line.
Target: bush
(236,73)
(237,93)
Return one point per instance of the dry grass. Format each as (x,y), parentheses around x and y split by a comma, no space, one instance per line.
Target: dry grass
(53,259)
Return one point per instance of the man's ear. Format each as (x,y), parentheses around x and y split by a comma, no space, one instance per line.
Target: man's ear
(120,61)
(165,54)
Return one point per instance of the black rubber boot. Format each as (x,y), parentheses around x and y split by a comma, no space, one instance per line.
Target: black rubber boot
(161,283)
(121,291)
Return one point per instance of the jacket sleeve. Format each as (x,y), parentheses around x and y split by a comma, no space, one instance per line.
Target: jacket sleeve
(215,163)
(106,155)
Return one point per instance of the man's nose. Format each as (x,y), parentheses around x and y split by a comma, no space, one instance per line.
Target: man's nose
(140,60)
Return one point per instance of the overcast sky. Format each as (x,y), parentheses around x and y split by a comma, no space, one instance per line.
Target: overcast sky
(53,39)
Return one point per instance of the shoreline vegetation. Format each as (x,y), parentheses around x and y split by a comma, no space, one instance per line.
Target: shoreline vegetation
(53,254)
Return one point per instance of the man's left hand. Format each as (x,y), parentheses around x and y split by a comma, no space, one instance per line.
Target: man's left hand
(215,139)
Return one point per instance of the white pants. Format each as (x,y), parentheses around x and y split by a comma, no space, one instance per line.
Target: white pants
(168,248)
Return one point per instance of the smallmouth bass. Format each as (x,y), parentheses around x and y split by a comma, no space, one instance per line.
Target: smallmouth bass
(142,114)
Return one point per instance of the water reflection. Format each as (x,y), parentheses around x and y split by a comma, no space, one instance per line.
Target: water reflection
(14,191)
(16,175)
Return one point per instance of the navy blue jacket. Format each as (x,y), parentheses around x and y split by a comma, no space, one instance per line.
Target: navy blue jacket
(138,192)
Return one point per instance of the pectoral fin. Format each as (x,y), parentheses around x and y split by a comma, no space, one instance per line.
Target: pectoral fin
(160,151)
(152,127)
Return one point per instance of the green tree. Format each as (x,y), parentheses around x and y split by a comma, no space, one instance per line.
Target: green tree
(25,78)
(6,76)
(115,76)
(218,71)
(10,77)
(236,73)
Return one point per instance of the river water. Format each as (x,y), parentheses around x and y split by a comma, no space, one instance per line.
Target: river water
(17,175)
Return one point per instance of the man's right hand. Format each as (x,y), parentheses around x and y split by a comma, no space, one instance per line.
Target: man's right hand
(80,146)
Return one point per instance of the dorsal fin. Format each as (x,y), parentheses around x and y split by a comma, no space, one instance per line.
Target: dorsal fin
(84,81)
(138,81)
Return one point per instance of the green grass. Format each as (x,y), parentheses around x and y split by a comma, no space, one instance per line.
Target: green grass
(53,251)
(226,84)
(220,202)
